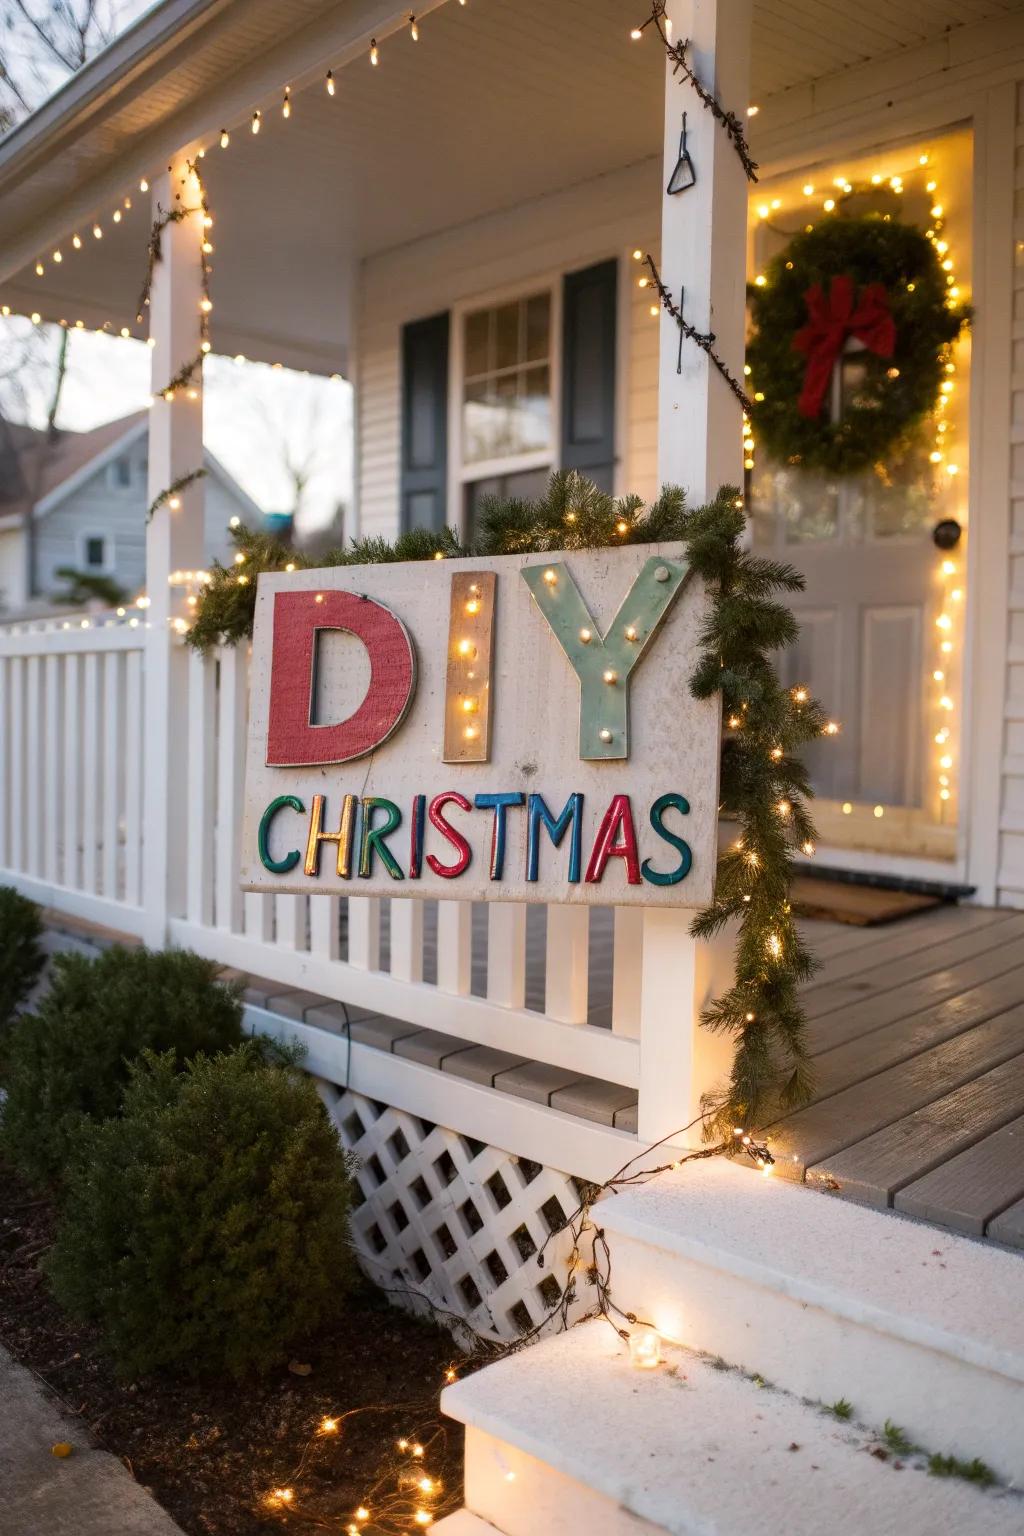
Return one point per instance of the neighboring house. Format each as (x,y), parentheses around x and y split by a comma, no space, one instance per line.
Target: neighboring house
(87,493)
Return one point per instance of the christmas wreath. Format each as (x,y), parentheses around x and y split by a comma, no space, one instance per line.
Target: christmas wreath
(878,282)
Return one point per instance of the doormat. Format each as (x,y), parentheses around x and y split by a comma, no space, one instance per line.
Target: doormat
(863,906)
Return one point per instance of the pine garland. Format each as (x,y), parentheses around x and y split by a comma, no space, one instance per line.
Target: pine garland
(764,786)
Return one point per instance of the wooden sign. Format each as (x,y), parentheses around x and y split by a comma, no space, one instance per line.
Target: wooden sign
(509,729)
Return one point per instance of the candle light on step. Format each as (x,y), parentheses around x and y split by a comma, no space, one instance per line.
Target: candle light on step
(645,1349)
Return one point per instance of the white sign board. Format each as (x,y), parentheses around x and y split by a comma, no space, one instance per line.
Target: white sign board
(510,729)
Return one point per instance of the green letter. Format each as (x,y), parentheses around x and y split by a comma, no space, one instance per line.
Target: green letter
(603,663)
(682,869)
(277,866)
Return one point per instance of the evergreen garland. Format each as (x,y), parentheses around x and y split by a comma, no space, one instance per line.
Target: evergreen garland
(764,785)
(897,392)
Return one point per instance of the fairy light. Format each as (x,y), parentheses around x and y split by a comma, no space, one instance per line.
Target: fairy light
(414,31)
(374,52)
(286,105)
(257,119)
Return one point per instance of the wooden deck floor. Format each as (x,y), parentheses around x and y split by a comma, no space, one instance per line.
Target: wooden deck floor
(918,1039)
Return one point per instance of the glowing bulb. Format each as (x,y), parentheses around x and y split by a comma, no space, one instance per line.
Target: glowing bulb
(830,203)
(774,946)
(937,211)
(256,121)
(550,577)
(469,706)
(638,254)
(585,636)
(97,232)
(286,105)
(414,31)
(328,1426)
(847,808)
(76,241)
(645,1349)
(58,258)
(630,632)
(636,34)
(944,621)
(374,55)
(783,808)
(473,606)
(945,762)
(39,269)
(175,503)
(760,280)
(808,189)
(807,848)
(610,676)
(878,812)
(752,111)
(800,695)
(225,138)
(465,648)
(423,1517)
(621,527)
(832,728)
(319,598)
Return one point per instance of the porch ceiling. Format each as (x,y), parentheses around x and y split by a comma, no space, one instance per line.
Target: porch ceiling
(497,104)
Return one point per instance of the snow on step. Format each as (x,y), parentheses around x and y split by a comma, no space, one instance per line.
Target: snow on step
(568,1437)
(831,1300)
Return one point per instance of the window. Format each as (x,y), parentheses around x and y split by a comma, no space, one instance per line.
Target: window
(506,399)
(121,472)
(94,552)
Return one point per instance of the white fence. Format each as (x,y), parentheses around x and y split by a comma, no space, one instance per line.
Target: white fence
(71,766)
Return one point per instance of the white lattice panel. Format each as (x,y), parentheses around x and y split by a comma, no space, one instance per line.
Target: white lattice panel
(451,1220)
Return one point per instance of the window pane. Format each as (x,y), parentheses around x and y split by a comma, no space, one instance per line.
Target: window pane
(535,412)
(477,328)
(506,336)
(538,325)
(94,552)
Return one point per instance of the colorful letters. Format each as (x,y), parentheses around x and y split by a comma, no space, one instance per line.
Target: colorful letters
(615,836)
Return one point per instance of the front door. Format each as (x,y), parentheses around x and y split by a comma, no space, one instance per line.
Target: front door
(883,552)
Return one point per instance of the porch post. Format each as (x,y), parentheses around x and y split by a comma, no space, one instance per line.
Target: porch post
(703,253)
(174,541)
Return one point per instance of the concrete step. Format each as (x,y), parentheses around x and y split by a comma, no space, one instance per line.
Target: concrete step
(568,1437)
(831,1300)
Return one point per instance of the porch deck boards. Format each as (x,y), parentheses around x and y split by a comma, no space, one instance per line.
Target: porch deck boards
(917,1034)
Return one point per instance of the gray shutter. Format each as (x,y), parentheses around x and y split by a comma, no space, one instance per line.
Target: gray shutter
(589,303)
(424,492)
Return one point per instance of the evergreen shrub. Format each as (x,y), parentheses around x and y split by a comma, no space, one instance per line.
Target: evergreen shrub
(21,955)
(67,1062)
(206,1228)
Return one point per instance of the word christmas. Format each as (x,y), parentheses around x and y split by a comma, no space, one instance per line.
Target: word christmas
(616,836)
(562,678)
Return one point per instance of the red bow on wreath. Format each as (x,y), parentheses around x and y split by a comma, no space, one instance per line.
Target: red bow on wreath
(829,323)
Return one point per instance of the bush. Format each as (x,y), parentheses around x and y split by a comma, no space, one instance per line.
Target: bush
(21,957)
(207,1227)
(68,1062)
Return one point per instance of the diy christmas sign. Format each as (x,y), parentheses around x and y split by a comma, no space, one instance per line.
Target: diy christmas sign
(516,728)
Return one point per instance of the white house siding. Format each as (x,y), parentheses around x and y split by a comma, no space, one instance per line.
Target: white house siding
(610,216)
(1011,825)
(102,505)
(12,569)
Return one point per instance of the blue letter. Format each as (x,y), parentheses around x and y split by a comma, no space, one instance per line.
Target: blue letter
(538,812)
(498,804)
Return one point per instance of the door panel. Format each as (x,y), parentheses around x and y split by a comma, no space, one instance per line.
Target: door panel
(891,724)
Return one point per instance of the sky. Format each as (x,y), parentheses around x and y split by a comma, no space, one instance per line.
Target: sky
(257,420)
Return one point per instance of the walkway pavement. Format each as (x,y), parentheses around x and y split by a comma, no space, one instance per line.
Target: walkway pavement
(88,1493)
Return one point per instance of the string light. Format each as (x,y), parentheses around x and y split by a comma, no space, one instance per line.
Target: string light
(286,105)
(329,82)
(414,31)
(256,120)
(374,53)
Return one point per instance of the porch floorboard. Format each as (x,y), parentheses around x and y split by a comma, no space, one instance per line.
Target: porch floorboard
(917,1035)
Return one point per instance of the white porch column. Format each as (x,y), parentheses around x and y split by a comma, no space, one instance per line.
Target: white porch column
(703,252)
(174,541)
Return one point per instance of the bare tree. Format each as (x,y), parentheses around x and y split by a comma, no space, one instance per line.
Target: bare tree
(41,43)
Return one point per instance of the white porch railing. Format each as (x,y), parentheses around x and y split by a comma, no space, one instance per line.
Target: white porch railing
(71,766)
